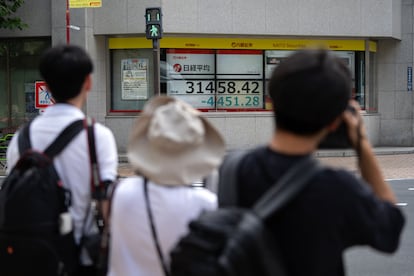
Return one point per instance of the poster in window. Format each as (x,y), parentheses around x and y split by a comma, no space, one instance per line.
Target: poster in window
(134,79)
(273,60)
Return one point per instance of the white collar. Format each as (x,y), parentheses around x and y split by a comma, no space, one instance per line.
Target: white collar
(60,109)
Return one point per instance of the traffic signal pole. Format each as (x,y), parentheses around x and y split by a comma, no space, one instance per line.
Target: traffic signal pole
(67,22)
(156,57)
(153,31)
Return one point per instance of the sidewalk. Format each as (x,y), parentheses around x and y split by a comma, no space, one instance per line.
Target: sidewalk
(396,162)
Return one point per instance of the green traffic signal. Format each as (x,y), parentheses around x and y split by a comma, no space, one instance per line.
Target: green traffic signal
(153,21)
(153,31)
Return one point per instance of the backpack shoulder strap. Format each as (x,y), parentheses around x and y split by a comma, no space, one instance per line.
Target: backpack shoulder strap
(228,172)
(57,145)
(64,138)
(227,190)
(24,138)
(291,183)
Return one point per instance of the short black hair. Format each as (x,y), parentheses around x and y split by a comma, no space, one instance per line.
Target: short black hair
(65,68)
(309,90)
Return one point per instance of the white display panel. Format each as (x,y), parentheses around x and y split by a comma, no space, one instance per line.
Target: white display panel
(190,64)
(190,76)
(209,79)
(239,64)
(239,79)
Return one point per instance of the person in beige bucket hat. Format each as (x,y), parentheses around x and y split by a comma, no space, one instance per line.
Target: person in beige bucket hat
(170,147)
(172,144)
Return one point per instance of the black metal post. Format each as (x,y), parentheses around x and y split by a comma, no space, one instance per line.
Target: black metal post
(156,62)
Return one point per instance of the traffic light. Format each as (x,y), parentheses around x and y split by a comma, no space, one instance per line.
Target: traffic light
(153,31)
(153,22)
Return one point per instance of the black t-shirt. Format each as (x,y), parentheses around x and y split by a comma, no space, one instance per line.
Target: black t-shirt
(335,210)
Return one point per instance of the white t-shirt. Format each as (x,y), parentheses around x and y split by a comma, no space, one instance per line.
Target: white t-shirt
(72,164)
(132,246)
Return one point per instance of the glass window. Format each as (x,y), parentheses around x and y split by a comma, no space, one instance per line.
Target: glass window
(359,90)
(132,79)
(272,60)
(18,73)
(4,83)
(209,79)
(372,97)
(354,60)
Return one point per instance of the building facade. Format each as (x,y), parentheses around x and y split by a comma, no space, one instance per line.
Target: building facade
(216,55)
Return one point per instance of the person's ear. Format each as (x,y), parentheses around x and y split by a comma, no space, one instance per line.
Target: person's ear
(87,85)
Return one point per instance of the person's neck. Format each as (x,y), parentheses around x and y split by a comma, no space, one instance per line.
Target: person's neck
(290,143)
(77,101)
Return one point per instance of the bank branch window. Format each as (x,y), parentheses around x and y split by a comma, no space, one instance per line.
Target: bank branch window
(229,80)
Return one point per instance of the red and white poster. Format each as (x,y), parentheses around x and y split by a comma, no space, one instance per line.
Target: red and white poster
(43,97)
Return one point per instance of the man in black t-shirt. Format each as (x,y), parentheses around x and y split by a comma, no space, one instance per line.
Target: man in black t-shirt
(336,210)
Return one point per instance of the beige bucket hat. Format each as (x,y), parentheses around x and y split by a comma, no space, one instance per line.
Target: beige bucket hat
(172,144)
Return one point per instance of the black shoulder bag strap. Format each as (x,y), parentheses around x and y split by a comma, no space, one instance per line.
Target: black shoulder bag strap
(153,229)
(99,192)
(57,145)
(96,185)
(291,183)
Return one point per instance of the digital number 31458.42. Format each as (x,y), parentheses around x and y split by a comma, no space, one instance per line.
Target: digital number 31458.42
(228,87)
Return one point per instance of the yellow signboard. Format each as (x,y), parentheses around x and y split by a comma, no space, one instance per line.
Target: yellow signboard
(242,43)
(85,3)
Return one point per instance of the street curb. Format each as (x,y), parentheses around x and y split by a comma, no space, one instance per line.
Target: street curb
(378,151)
(122,158)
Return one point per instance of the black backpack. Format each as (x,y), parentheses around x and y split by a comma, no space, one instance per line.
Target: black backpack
(34,212)
(234,241)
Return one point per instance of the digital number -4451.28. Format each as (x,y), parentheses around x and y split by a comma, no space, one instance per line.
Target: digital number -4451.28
(242,101)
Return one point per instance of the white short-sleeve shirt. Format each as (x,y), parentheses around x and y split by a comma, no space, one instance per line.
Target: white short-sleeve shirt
(132,246)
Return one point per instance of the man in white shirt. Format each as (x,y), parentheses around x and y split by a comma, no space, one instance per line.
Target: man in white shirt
(67,71)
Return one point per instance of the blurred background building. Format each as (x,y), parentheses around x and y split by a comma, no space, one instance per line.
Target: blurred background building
(217,55)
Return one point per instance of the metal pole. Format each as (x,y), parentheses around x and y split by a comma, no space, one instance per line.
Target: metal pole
(67,23)
(8,86)
(156,57)
(369,95)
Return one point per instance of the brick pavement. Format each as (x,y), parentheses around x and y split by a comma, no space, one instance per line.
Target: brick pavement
(394,166)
